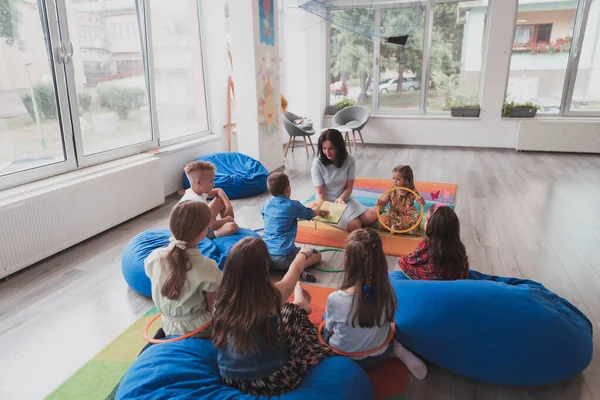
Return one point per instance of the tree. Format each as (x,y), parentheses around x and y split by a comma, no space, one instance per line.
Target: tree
(446,42)
(10,19)
(397,22)
(351,53)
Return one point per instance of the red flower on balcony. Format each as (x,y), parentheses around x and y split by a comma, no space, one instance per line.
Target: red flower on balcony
(559,45)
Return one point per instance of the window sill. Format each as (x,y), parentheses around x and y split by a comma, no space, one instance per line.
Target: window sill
(542,119)
(426,117)
(27,189)
(174,148)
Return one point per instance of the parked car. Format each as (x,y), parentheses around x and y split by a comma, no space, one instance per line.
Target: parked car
(391,85)
(547,105)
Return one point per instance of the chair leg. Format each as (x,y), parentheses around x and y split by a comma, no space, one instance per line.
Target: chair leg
(288,146)
(348,142)
(361,139)
(354,139)
(305,146)
(311,145)
(293,143)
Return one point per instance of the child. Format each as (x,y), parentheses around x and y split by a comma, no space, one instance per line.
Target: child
(402,213)
(359,314)
(281,224)
(184,281)
(441,256)
(202,176)
(265,345)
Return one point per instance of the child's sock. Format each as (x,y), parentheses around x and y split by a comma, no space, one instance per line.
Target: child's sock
(414,364)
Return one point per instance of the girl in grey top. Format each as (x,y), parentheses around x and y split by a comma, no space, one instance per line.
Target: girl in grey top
(360,313)
(333,174)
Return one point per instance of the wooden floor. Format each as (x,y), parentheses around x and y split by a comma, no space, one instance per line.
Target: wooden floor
(535,216)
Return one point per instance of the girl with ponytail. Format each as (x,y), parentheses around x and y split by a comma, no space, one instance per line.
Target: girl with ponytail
(184,282)
(359,314)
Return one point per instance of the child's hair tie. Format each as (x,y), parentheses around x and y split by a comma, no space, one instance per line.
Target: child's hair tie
(182,244)
(437,206)
(368,290)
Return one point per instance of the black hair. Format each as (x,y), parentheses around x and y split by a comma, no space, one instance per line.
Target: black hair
(336,138)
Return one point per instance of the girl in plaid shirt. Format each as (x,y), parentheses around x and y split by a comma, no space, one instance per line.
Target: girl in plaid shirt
(441,256)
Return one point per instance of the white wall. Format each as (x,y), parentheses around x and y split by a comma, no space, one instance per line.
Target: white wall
(256,74)
(303,71)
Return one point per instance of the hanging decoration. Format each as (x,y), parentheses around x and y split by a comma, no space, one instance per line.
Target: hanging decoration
(346,14)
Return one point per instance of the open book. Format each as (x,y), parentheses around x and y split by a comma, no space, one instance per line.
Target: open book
(335,210)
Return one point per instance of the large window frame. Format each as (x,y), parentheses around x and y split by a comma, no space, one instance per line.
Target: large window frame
(425,61)
(55,24)
(572,68)
(581,18)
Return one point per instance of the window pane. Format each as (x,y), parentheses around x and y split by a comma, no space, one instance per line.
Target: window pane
(109,73)
(30,133)
(351,58)
(178,77)
(400,66)
(540,53)
(586,95)
(456,54)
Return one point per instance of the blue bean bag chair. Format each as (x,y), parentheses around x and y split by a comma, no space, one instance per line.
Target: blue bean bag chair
(188,369)
(237,174)
(503,331)
(136,251)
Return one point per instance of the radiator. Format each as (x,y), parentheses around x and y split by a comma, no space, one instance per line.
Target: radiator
(560,136)
(33,227)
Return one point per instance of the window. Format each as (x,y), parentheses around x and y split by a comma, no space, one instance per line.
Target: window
(401,61)
(456,55)
(178,78)
(586,90)
(531,34)
(351,58)
(543,33)
(87,98)
(448,59)
(558,69)
(31,133)
(113,108)
(540,56)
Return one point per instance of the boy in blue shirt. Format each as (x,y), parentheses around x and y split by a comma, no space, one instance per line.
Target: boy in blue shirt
(281,224)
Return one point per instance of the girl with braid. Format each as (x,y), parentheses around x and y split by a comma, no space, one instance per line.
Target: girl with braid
(360,312)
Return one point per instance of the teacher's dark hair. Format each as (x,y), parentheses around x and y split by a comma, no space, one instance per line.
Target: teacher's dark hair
(336,138)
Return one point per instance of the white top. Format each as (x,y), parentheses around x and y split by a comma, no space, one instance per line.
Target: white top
(187,313)
(334,182)
(332,178)
(191,195)
(347,338)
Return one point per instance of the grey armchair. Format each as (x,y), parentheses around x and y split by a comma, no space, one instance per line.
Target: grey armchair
(294,131)
(352,119)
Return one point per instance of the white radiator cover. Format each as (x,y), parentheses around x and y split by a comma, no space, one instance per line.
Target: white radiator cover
(33,227)
(560,136)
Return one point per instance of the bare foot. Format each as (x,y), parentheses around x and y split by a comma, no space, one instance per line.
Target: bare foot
(302,300)
(414,364)
(307,295)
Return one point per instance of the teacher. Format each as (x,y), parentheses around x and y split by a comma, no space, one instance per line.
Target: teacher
(333,174)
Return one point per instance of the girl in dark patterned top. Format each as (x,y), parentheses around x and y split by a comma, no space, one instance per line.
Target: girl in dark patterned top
(265,345)
(441,256)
